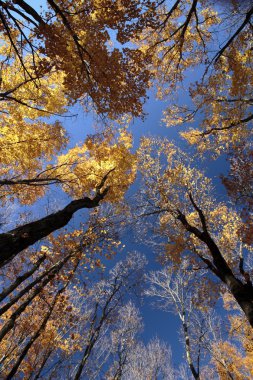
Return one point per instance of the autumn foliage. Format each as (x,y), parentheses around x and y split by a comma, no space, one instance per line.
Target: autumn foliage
(61,310)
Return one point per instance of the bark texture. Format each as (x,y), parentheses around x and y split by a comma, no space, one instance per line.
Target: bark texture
(242,292)
(20,238)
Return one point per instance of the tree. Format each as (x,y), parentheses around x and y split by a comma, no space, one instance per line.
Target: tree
(105,54)
(233,357)
(40,77)
(239,186)
(190,218)
(72,39)
(124,340)
(152,361)
(106,298)
(176,290)
(37,81)
(213,349)
(82,169)
(67,322)
(28,137)
(201,34)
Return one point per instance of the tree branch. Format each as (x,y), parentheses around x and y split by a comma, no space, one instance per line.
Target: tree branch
(241,27)
(200,213)
(232,125)
(20,238)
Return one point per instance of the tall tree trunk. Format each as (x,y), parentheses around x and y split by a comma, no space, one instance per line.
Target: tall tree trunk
(34,337)
(53,269)
(15,241)
(94,331)
(195,373)
(20,279)
(47,356)
(243,293)
(12,319)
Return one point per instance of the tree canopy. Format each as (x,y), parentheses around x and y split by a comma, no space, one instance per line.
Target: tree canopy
(61,309)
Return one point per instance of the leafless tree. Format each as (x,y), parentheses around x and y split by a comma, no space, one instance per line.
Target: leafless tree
(150,362)
(174,290)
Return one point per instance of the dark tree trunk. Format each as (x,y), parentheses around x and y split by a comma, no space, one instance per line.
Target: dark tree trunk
(94,331)
(47,356)
(22,307)
(7,291)
(242,292)
(15,241)
(32,284)
(34,337)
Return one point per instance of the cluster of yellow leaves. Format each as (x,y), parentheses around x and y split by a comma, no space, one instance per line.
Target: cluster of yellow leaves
(28,142)
(83,167)
(33,96)
(169,179)
(23,149)
(178,42)
(224,99)
(114,79)
(235,358)
(186,38)
(227,223)
(229,362)
(26,138)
